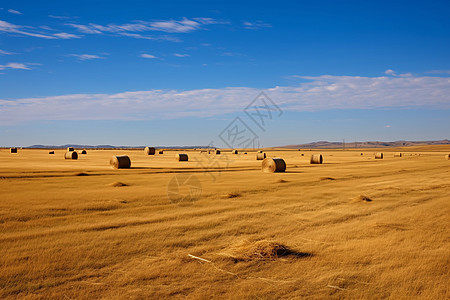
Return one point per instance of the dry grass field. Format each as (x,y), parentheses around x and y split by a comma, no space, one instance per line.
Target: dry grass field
(78,229)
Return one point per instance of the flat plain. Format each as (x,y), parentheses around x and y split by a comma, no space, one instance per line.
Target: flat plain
(353,227)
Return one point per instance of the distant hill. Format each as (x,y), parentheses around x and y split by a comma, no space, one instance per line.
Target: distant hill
(313,145)
(107,147)
(373,144)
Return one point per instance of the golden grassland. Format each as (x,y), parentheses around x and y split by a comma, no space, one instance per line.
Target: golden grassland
(81,230)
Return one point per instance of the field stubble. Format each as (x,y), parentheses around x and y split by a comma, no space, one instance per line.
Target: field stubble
(79,229)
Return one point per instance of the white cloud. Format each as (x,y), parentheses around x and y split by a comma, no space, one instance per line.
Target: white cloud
(11,28)
(19,66)
(63,35)
(147,56)
(14,12)
(149,37)
(438,72)
(255,25)
(3,52)
(231,54)
(406,75)
(390,72)
(17,29)
(170,26)
(84,28)
(180,55)
(320,93)
(59,17)
(86,56)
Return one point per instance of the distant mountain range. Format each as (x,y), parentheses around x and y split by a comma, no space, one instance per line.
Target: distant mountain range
(340,145)
(320,144)
(107,147)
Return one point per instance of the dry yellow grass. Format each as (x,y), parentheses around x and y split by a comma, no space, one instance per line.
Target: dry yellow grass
(114,234)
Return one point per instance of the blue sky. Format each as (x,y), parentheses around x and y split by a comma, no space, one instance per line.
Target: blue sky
(178,73)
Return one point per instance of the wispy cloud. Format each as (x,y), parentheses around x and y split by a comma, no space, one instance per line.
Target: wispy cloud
(438,72)
(390,72)
(145,55)
(30,31)
(16,12)
(17,29)
(64,35)
(13,65)
(85,28)
(149,37)
(231,54)
(255,25)
(3,52)
(60,17)
(180,55)
(86,56)
(318,93)
(184,25)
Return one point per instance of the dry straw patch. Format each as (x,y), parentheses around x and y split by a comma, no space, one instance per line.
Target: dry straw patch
(118,184)
(362,198)
(232,195)
(326,178)
(259,251)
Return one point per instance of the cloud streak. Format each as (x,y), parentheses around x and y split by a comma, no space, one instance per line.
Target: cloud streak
(3,52)
(30,31)
(14,65)
(183,25)
(145,55)
(180,55)
(317,93)
(16,12)
(255,25)
(86,56)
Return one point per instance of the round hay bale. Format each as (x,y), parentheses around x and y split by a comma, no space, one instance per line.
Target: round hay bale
(260,156)
(316,159)
(13,150)
(260,151)
(447,156)
(149,150)
(120,162)
(69,149)
(271,165)
(51,152)
(362,153)
(217,151)
(303,154)
(234,152)
(182,157)
(245,152)
(161,152)
(399,154)
(83,152)
(379,155)
(71,155)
